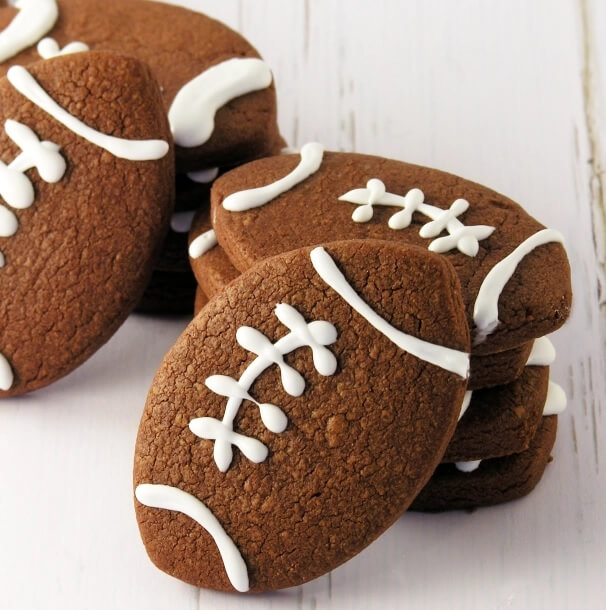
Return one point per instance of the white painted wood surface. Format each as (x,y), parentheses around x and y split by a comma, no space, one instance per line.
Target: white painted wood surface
(510,94)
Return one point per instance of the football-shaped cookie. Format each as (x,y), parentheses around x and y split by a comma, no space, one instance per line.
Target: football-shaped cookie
(86,180)
(218,93)
(514,273)
(300,413)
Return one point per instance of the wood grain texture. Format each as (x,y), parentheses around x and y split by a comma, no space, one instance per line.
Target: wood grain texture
(510,94)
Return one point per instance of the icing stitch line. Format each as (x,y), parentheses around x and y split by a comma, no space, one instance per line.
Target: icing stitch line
(311,159)
(315,335)
(192,113)
(486,307)
(446,358)
(202,244)
(464,238)
(171,498)
(6,374)
(34,19)
(132,150)
(49,48)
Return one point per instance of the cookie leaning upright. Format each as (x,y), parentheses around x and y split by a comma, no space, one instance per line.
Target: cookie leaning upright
(300,413)
(87,191)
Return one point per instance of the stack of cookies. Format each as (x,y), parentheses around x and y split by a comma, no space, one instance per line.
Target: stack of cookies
(371,336)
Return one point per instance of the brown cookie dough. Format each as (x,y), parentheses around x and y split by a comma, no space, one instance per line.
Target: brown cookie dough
(178,45)
(77,259)
(501,421)
(534,302)
(361,436)
(495,481)
(499,368)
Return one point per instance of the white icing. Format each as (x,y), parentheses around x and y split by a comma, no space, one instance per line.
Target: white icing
(15,186)
(49,48)
(466,403)
(34,19)
(180,222)
(203,244)
(486,307)
(166,497)
(464,238)
(449,359)
(468,466)
(556,400)
(2,260)
(6,374)
(543,353)
(315,335)
(133,150)
(192,113)
(204,176)
(311,159)
(8,221)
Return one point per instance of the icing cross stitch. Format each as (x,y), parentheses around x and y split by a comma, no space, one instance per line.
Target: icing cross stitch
(315,335)
(463,238)
(16,188)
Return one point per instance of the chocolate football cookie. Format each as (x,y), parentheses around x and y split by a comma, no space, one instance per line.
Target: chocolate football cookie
(492,481)
(218,93)
(299,414)
(501,420)
(87,190)
(513,271)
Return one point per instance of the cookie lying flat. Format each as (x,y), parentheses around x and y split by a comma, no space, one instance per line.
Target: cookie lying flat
(494,481)
(514,272)
(291,424)
(218,93)
(500,368)
(209,263)
(87,192)
(502,420)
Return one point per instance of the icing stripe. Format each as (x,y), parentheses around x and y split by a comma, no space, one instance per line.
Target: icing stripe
(543,353)
(466,403)
(204,176)
(203,244)
(171,498)
(34,19)
(132,150)
(556,400)
(180,222)
(192,113)
(486,307)
(449,359)
(6,374)
(468,467)
(311,159)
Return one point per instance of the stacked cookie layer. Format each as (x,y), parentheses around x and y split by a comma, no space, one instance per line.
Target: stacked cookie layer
(514,274)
